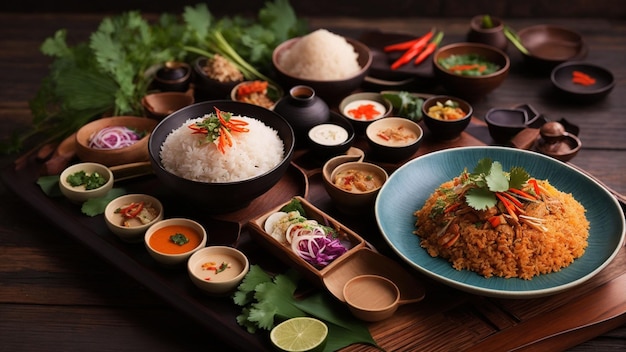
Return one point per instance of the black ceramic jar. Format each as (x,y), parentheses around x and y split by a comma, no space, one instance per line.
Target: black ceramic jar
(303,110)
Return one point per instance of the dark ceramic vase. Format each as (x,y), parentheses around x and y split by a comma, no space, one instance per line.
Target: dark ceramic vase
(302,109)
(493,36)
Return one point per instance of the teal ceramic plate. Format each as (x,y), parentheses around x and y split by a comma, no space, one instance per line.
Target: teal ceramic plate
(409,186)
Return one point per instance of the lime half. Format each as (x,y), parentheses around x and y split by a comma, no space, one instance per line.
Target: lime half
(300,334)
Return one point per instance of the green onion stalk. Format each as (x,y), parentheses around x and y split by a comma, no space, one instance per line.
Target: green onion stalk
(515,39)
(217,44)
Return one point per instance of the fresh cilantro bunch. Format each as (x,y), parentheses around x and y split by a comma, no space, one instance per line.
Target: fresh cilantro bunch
(267,300)
(487,178)
(111,72)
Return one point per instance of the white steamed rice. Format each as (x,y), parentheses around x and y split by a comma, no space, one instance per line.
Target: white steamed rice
(253,153)
(320,55)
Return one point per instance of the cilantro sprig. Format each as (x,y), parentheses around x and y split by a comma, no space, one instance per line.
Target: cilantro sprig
(488,178)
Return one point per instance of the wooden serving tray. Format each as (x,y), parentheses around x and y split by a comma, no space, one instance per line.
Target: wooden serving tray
(445,320)
(285,253)
(358,260)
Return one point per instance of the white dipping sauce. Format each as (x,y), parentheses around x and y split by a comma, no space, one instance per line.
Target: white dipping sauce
(328,134)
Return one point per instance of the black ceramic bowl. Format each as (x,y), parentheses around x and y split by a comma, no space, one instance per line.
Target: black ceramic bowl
(446,129)
(207,88)
(332,91)
(326,143)
(353,101)
(562,79)
(220,197)
(504,124)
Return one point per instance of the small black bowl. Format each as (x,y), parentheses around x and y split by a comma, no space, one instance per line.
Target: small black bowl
(562,79)
(504,124)
(446,129)
(220,197)
(331,148)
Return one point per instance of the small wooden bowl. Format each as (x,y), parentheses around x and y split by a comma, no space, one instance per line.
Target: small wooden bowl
(159,105)
(371,297)
(352,202)
(368,262)
(112,157)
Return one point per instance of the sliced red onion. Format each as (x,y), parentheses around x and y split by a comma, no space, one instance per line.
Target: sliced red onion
(113,137)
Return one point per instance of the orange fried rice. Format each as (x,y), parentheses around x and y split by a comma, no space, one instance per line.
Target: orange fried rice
(506,250)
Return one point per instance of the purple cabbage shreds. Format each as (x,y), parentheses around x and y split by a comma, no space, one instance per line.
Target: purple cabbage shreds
(320,251)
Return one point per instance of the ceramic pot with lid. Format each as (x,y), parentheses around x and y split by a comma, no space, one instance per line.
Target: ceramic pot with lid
(173,77)
(303,110)
(493,36)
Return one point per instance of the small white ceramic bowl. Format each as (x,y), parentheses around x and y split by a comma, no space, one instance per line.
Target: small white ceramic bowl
(408,138)
(79,194)
(217,270)
(169,253)
(132,230)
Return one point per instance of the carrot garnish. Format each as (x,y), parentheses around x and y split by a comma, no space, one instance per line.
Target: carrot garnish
(468,67)
(507,205)
(452,207)
(536,188)
(218,128)
(522,194)
(513,199)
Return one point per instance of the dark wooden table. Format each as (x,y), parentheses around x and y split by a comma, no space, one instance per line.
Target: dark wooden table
(56,295)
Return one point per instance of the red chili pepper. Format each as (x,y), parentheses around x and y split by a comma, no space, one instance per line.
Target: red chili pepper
(410,43)
(132,210)
(413,50)
(430,48)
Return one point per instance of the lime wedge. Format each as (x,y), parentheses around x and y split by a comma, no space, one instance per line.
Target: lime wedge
(299,334)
